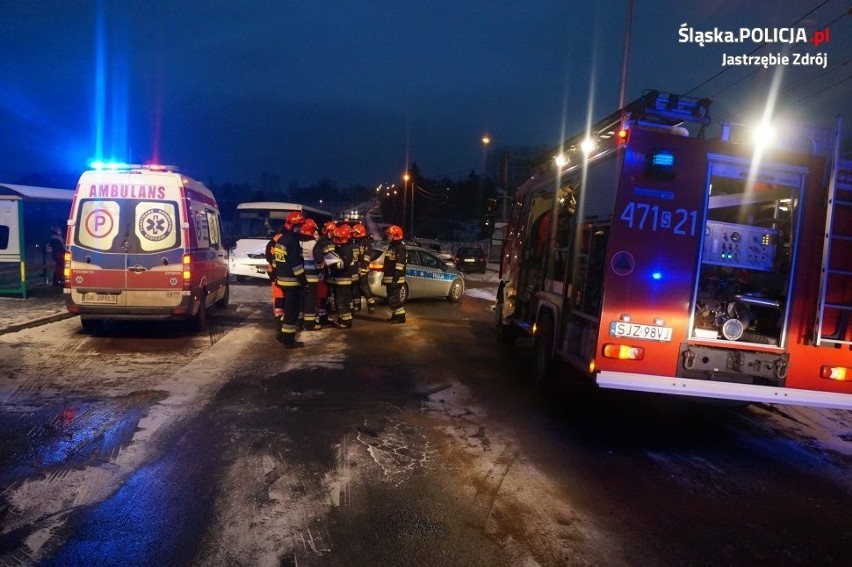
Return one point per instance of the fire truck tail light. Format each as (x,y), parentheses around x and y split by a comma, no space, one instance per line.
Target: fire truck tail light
(623,135)
(187,268)
(834,372)
(623,352)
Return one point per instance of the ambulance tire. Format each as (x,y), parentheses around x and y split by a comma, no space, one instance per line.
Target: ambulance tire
(222,303)
(544,361)
(199,321)
(91,326)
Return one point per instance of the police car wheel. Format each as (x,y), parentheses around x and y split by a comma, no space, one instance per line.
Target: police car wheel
(456,291)
(403,293)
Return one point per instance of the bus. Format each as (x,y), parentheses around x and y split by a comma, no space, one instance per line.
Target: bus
(642,256)
(255,224)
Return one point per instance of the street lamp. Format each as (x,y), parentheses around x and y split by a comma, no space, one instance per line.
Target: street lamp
(405,178)
(486,139)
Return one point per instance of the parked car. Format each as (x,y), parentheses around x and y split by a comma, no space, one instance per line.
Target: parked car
(469,259)
(435,247)
(426,276)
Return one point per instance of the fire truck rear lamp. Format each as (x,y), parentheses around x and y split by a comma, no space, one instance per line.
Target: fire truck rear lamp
(623,352)
(834,373)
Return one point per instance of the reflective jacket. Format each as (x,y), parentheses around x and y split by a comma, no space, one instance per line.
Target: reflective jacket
(342,274)
(289,266)
(312,269)
(270,255)
(365,255)
(395,260)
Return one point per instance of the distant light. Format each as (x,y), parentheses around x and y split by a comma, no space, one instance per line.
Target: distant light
(486,139)
(561,160)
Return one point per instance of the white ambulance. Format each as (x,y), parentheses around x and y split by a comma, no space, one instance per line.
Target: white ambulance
(144,242)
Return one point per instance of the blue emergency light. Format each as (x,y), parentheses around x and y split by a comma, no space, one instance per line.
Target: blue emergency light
(660,164)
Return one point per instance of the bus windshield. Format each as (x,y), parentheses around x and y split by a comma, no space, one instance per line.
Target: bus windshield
(261,220)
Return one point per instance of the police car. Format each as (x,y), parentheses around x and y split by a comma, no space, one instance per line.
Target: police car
(426,276)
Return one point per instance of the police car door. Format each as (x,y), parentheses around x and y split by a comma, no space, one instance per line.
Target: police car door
(431,275)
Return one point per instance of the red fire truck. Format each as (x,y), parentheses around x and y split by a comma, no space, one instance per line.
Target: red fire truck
(652,259)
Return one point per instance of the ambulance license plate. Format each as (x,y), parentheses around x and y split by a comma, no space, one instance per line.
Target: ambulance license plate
(641,332)
(103,298)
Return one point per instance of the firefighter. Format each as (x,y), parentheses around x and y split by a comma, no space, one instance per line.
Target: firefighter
(393,275)
(323,247)
(362,243)
(308,241)
(340,269)
(277,292)
(290,276)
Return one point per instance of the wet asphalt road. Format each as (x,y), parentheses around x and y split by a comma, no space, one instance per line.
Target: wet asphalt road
(421,444)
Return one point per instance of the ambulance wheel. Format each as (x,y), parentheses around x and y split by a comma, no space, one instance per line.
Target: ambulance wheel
(199,321)
(91,326)
(456,291)
(544,363)
(226,298)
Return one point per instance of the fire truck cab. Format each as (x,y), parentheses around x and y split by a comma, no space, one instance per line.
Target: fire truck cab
(651,259)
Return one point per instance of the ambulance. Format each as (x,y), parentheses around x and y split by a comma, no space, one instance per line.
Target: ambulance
(144,242)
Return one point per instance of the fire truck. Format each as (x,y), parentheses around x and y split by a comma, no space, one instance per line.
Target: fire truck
(643,255)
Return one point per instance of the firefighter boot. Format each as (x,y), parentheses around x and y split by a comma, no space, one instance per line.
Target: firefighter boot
(397,318)
(344,324)
(289,340)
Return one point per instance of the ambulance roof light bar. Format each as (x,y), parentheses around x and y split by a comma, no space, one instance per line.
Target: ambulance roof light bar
(100,165)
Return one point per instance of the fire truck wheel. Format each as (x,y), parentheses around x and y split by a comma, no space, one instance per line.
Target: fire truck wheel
(544,362)
(506,333)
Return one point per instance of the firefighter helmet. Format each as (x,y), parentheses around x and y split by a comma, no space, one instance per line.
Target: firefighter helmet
(328,228)
(293,220)
(359,231)
(309,228)
(342,234)
(394,232)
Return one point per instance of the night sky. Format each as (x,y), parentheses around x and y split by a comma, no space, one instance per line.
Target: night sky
(353,91)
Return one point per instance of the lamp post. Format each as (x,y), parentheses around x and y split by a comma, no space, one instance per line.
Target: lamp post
(486,139)
(405,179)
